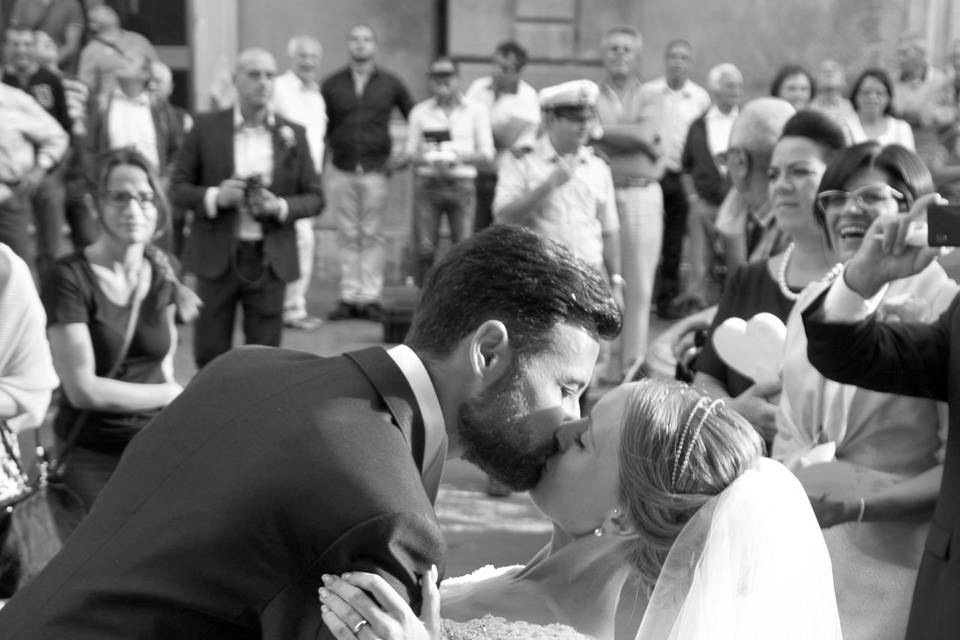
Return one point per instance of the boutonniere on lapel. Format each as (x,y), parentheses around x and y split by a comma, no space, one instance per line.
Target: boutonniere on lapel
(287,138)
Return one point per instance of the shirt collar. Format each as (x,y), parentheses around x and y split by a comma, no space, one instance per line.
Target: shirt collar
(684,89)
(311,85)
(416,374)
(458,101)
(142,100)
(270,122)
(919,79)
(550,154)
(633,82)
(714,113)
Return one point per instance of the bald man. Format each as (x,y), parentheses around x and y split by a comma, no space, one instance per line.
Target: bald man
(247,174)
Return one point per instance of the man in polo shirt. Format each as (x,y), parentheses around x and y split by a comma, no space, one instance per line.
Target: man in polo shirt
(448,138)
(632,145)
(360,99)
(673,102)
(514,111)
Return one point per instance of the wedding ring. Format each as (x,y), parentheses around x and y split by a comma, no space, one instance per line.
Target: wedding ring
(359,625)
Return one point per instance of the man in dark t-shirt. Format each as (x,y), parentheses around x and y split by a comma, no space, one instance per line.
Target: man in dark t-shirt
(360,99)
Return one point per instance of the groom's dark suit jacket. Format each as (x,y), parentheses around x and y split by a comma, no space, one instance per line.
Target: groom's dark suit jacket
(916,360)
(206,160)
(272,468)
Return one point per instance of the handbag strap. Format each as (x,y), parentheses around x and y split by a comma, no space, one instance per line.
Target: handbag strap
(143,286)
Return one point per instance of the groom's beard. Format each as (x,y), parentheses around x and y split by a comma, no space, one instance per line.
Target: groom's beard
(496,435)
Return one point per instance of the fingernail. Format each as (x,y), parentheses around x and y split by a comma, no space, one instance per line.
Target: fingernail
(324,593)
(345,575)
(324,609)
(327,579)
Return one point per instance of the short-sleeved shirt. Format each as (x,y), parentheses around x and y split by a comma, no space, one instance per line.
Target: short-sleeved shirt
(673,111)
(70,295)
(749,290)
(626,108)
(577,213)
(466,127)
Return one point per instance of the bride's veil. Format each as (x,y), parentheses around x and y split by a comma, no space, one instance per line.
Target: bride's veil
(750,564)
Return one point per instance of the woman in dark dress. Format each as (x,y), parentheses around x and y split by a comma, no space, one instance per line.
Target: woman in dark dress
(89,298)
(809,141)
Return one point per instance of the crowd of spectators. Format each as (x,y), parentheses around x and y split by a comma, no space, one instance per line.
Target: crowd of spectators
(638,178)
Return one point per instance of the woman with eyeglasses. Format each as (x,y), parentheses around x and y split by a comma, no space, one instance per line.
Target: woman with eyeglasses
(870,462)
(110,390)
(809,141)
(872,100)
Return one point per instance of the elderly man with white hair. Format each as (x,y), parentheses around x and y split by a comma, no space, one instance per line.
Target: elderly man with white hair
(296,95)
(705,177)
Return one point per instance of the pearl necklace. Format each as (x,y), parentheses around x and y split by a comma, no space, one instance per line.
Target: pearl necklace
(782,274)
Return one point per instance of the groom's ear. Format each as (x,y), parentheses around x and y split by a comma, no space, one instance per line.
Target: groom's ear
(619,523)
(490,352)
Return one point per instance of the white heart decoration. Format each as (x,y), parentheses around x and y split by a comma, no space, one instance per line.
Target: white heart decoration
(754,347)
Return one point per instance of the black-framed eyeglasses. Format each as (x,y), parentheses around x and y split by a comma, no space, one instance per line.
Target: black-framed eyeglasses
(869,197)
(120,198)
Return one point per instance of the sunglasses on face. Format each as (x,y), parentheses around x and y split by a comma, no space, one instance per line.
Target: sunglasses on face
(122,198)
(869,197)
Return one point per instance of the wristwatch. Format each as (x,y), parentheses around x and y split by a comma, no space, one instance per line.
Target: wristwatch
(617,280)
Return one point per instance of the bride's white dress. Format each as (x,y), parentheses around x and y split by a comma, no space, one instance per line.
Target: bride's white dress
(491,627)
(751,564)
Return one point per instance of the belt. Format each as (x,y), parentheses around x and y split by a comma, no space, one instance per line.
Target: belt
(625,183)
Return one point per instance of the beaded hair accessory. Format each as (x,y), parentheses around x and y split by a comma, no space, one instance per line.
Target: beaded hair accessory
(684,445)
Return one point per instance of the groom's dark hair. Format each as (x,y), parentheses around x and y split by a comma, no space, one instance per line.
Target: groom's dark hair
(514,275)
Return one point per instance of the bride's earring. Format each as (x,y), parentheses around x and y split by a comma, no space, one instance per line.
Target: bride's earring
(598,532)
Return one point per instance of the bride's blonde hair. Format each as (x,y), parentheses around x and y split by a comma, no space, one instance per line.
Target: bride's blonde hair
(659,490)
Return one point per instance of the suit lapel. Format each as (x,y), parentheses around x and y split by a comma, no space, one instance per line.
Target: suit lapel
(389,381)
(278,152)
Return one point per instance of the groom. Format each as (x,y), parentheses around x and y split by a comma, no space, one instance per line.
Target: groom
(275,467)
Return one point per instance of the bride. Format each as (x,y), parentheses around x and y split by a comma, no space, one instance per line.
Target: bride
(660,486)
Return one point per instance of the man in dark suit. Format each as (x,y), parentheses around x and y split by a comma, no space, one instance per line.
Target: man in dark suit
(275,467)
(247,174)
(848,344)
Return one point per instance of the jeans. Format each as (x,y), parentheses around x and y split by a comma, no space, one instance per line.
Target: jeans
(359,200)
(433,198)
